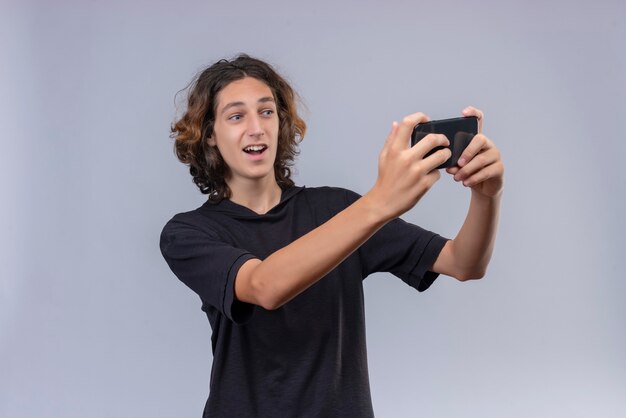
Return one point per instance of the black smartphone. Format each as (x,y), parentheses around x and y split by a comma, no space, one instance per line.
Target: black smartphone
(459,131)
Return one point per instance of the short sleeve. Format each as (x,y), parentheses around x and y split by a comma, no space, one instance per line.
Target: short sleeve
(207,265)
(403,249)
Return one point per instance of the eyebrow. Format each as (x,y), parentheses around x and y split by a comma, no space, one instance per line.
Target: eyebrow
(235,104)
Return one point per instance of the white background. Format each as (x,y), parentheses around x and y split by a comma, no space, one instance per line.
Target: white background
(93,323)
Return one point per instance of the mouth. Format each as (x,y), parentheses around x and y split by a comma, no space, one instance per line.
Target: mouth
(255,149)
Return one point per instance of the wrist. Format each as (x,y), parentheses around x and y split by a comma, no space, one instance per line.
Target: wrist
(480,195)
(486,202)
(375,209)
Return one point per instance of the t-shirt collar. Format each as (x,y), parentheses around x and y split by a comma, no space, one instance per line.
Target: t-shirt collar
(238,210)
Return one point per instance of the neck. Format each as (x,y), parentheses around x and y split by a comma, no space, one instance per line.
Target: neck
(259,195)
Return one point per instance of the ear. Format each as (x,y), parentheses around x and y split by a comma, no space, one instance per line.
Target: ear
(211,141)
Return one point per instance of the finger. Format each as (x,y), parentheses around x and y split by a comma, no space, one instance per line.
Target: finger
(472,111)
(388,141)
(392,133)
(405,128)
(485,174)
(479,143)
(436,159)
(482,160)
(426,182)
(453,170)
(432,177)
(430,141)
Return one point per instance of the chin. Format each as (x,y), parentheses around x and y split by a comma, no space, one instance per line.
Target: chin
(257,175)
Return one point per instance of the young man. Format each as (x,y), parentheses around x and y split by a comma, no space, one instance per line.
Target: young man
(279,268)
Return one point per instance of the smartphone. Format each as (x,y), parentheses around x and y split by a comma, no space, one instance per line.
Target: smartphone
(459,131)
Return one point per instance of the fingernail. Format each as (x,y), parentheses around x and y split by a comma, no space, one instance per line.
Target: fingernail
(461,162)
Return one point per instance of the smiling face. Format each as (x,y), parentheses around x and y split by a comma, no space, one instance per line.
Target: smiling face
(246,131)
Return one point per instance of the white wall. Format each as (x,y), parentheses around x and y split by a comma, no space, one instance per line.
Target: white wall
(92,322)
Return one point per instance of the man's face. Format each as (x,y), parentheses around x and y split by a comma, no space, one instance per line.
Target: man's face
(246,130)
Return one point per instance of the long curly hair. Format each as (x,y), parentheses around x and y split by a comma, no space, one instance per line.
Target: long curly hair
(192,130)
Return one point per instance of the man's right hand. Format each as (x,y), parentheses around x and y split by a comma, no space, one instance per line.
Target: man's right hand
(404,175)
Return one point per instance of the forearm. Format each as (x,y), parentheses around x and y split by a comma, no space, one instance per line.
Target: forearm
(289,271)
(473,246)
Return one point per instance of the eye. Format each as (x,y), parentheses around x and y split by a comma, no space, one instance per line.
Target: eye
(267,112)
(236,117)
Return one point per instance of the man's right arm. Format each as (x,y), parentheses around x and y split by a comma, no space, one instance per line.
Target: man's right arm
(404,176)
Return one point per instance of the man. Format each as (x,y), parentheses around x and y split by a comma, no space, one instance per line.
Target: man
(279,268)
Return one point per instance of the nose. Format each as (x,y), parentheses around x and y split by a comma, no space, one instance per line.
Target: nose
(254,126)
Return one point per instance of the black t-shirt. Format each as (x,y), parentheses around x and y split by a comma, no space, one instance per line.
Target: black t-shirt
(307,358)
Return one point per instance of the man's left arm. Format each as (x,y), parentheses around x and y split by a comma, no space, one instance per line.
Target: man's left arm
(480,168)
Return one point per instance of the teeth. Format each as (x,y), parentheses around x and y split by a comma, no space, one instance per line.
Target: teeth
(254,148)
